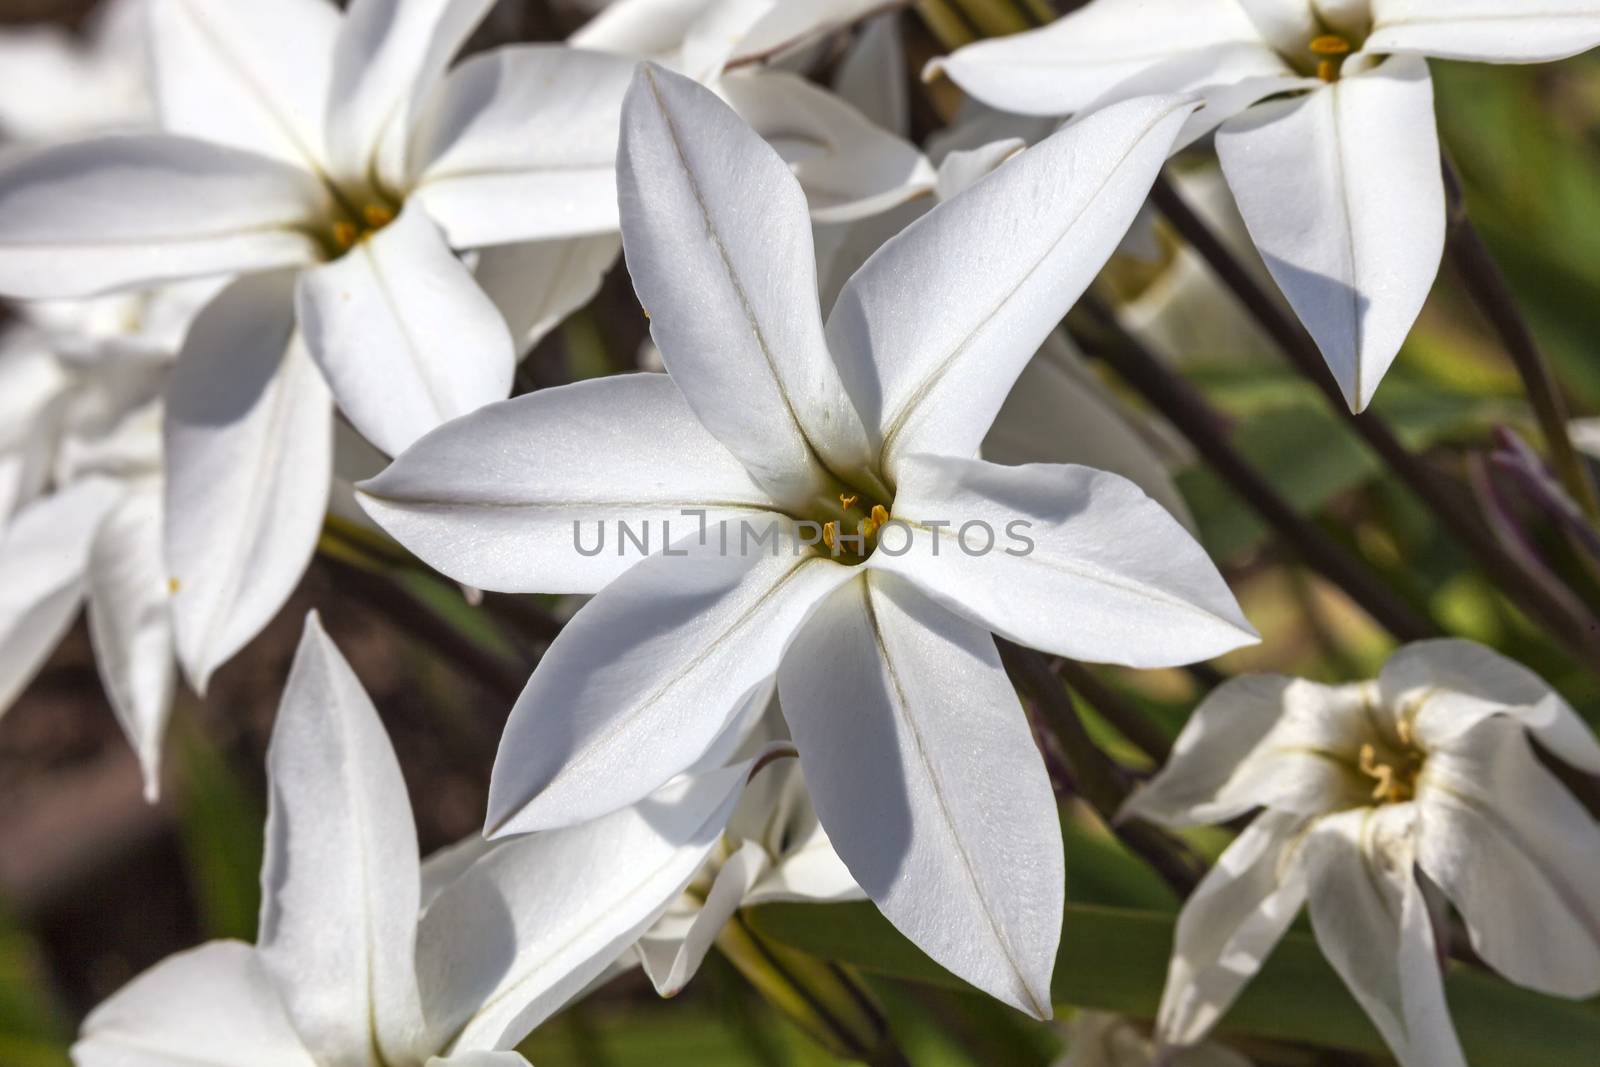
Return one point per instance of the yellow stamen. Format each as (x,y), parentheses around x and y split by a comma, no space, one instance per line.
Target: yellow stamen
(1327,70)
(830,533)
(1381,771)
(1330,44)
(377,216)
(345,234)
(880,515)
(847,501)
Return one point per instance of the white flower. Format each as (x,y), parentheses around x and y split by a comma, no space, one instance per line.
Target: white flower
(773,849)
(912,739)
(1099,1039)
(1428,771)
(848,166)
(1337,173)
(330,161)
(366,958)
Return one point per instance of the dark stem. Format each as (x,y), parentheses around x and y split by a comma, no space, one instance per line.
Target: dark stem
(1099,781)
(1487,286)
(1579,633)
(1124,717)
(1205,428)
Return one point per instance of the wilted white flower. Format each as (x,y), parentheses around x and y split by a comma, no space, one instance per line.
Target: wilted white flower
(1427,771)
(366,958)
(826,443)
(331,160)
(1327,133)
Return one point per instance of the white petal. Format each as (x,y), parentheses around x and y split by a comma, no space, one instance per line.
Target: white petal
(213,1006)
(248,448)
(651,29)
(992,272)
(1261,740)
(248,75)
(1342,192)
(1517,855)
(521,144)
(1065,66)
(1287,25)
(537,920)
(1486,31)
(925,773)
(340,888)
(1446,687)
(786,25)
(537,284)
(718,242)
(44,556)
(1230,925)
(872,77)
(1059,412)
(479,1058)
(404,335)
(729,888)
(389,56)
(1065,559)
(1372,924)
(848,167)
(130,624)
(116,212)
(646,676)
(530,495)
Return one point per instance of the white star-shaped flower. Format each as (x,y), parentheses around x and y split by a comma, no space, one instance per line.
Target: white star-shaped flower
(331,161)
(842,447)
(366,958)
(1327,135)
(1362,787)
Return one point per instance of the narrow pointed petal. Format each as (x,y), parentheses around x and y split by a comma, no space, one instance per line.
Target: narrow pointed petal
(1261,740)
(1062,68)
(923,769)
(1372,924)
(783,26)
(539,918)
(1059,412)
(1342,192)
(403,334)
(44,556)
(1485,31)
(340,883)
(996,269)
(1518,856)
(1065,559)
(1230,925)
(732,884)
(530,495)
(718,241)
(872,77)
(520,144)
(118,212)
(130,624)
(643,680)
(1445,687)
(848,168)
(389,56)
(248,446)
(213,1006)
(250,76)
(537,284)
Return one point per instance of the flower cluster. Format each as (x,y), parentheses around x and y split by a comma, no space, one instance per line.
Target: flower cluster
(275,268)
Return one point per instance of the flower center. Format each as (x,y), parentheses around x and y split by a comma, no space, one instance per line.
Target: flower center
(1394,771)
(347,232)
(1328,51)
(850,532)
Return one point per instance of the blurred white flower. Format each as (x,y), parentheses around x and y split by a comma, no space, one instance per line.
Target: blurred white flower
(822,439)
(1351,226)
(366,958)
(63,84)
(849,166)
(1099,1039)
(331,160)
(1428,771)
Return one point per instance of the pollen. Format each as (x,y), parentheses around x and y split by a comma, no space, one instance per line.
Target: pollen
(345,233)
(172,587)
(848,501)
(1393,782)
(377,216)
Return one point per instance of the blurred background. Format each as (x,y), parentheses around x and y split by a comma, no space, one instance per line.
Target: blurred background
(95,885)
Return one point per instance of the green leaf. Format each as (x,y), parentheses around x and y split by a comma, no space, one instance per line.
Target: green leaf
(1116,960)
(221,825)
(31,1030)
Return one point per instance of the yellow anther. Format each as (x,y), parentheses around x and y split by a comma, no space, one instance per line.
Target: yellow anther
(377,216)
(1384,773)
(345,233)
(830,533)
(1330,44)
(880,516)
(1328,70)
(847,501)
(172,586)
